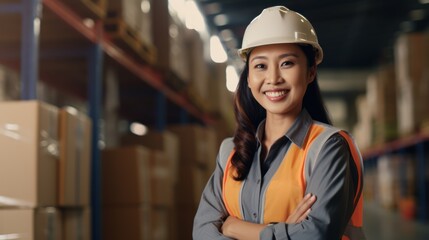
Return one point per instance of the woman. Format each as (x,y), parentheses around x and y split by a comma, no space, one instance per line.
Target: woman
(286,173)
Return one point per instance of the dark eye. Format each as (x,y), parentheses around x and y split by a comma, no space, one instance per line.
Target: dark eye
(286,63)
(259,66)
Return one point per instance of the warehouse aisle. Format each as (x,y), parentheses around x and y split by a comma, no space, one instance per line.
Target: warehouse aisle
(381,224)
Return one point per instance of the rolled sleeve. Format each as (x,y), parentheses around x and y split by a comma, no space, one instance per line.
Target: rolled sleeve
(276,231)
(211,211)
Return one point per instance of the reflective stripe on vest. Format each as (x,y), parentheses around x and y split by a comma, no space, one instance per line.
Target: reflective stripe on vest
(287,187)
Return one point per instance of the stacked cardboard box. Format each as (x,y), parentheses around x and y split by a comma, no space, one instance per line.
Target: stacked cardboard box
(126,192)
(45,172)
(162,195)
(164,160)
(169,37)
(165,141)
(363,130)
(9,85)
(74,173)
(383,103)
(30,223)
(199,89)
(136,14)
(30,142)
(28,189)
(127,222)
(395,179)
(137,185)
(198,150)
(412,75)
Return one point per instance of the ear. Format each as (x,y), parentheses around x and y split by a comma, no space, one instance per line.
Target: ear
(311,74)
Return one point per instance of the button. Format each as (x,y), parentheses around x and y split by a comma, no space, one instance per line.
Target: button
(255,215)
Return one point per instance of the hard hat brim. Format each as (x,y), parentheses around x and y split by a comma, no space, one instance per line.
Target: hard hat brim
(243,52)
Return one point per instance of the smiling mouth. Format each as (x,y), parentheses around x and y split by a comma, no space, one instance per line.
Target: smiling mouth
(276,94)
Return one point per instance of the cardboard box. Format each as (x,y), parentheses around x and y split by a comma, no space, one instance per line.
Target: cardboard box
(184,220)
(169,37)
(161,182)
(193,179)
(76,223)
(198,150)
(131,11)
(126,176)
(29,155)
(30,224)
(200,70)
(165,141)
(9,84)
(411,64)
(161,223)
(127,222)
(363,129)
(385,112)
(75,158)
(197,144)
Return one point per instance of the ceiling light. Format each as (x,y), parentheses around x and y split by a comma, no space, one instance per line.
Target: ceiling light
(217,52)
(231,78)
(145,6)
(88,22)
(194,17)
(138,129)
(424,1)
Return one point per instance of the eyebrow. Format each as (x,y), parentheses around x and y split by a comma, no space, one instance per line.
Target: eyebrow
(279,57)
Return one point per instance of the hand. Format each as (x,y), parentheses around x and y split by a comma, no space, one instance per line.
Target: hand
(227,225)
(302,210)
(238,229)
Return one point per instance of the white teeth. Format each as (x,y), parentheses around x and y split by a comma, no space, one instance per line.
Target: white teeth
(275,94)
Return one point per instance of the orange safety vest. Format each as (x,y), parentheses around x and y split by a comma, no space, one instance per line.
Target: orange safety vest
(287,187)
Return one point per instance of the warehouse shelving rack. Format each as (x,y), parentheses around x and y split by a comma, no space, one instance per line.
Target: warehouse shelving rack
(97,47)
(416,143)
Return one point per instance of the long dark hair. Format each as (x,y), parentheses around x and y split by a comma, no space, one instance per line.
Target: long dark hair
(249,114)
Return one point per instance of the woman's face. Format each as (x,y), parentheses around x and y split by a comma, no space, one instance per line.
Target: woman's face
(278,78)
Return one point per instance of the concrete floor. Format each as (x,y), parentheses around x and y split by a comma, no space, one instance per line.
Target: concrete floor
(382,224)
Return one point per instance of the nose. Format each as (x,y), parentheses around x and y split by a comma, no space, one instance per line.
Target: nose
(273,76)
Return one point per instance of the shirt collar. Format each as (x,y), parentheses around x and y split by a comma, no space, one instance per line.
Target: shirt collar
(296,133)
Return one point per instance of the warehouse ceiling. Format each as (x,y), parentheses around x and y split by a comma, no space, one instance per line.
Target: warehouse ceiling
(354,34)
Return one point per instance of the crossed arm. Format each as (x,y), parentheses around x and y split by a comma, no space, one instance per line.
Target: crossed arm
(331,182)
(239,229)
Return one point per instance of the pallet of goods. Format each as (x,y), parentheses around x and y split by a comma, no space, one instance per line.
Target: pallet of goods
(88,8)
(128,39)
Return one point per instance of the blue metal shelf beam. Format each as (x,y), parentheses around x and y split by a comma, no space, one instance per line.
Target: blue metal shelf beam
(95,64)
(30,16)
(417,144)
(10,8)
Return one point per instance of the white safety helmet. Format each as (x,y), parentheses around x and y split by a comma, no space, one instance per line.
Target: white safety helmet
(279,25)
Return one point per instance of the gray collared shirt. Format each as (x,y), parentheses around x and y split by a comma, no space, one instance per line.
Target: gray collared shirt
(333,181)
